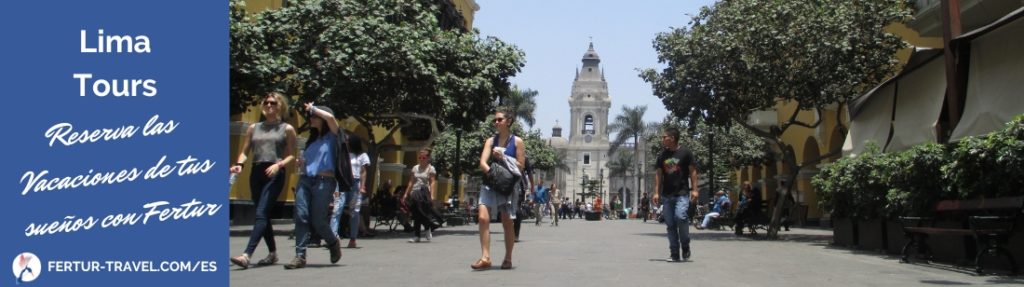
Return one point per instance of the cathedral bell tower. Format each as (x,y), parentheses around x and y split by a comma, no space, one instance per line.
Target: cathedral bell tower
(587,148)
(589,103)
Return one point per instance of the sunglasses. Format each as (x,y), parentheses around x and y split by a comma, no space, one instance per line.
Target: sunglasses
(498,120)
(270,103)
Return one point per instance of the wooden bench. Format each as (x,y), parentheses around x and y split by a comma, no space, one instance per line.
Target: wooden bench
(990,222)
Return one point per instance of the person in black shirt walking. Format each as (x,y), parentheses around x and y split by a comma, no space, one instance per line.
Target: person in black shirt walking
(676,174)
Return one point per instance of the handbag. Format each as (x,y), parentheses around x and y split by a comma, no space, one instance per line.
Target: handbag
(501,179)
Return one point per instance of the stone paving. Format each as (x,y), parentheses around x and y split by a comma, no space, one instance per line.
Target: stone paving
(605,253)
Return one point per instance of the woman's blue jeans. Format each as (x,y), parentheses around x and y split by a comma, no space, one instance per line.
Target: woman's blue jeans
(312,200)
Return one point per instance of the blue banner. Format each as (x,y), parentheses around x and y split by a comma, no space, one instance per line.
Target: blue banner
(116,172)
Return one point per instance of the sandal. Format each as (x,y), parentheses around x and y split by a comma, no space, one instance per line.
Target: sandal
(506,264)
(481,264)
(269,260)
(241,261)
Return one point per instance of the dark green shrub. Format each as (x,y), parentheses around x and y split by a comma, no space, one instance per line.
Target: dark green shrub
(855,186)
(915,180)
(988,166)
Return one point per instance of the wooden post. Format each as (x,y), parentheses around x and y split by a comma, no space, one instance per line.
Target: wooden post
(951,28)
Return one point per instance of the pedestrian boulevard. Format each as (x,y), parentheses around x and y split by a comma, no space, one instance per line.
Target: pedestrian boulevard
(604,253)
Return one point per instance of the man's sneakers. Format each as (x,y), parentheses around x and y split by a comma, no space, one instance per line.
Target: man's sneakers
(430,235)
(414,240)
(675,257)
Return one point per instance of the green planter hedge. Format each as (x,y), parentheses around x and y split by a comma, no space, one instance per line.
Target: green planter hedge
(875,185)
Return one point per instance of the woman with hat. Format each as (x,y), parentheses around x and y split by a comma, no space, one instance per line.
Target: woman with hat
(316,185)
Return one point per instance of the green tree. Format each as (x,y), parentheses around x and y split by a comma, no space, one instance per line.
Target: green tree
(447,158)
(251,65)
(389,63)
(733,149)
(741,56)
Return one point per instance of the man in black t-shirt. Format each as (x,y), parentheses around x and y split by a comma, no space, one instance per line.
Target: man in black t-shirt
(676,174)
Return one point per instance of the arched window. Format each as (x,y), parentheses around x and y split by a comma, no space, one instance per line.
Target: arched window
(588,124)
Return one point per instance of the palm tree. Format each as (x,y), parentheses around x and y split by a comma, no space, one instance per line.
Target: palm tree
(630,124)
(523,103)
(621,167)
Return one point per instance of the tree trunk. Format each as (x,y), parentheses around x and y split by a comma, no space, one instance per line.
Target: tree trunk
(789,159)
(638,171)
(372,147)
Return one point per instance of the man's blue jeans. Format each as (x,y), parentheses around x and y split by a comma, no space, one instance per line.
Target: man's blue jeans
(674,209)
(312,201)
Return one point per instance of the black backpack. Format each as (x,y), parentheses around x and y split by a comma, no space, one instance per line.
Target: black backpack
(500,178)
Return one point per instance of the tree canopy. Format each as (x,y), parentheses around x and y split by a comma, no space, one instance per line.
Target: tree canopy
(446,157)
(371,58)
(741,56)
(734,147)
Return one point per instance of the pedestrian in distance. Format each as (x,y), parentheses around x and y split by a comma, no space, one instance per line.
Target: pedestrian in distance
(645,207)
(556,203)
(542,200)
(351,196)
(420,197)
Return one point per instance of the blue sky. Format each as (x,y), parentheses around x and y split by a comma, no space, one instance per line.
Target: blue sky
(555,34)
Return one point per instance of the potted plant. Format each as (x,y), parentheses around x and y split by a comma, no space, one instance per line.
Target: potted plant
(853,189)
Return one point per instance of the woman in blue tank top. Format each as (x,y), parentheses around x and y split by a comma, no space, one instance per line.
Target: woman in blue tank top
(505,144)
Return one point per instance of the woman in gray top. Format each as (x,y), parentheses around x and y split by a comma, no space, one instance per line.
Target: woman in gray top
(272,144)
(421,188)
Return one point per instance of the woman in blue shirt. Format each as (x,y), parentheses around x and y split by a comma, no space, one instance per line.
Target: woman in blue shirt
(316,186)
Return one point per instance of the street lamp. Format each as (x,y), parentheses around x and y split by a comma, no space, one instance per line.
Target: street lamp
(583,184)
(457,186)
(711,159)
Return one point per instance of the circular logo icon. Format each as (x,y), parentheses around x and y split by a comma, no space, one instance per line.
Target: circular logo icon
(26,267)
